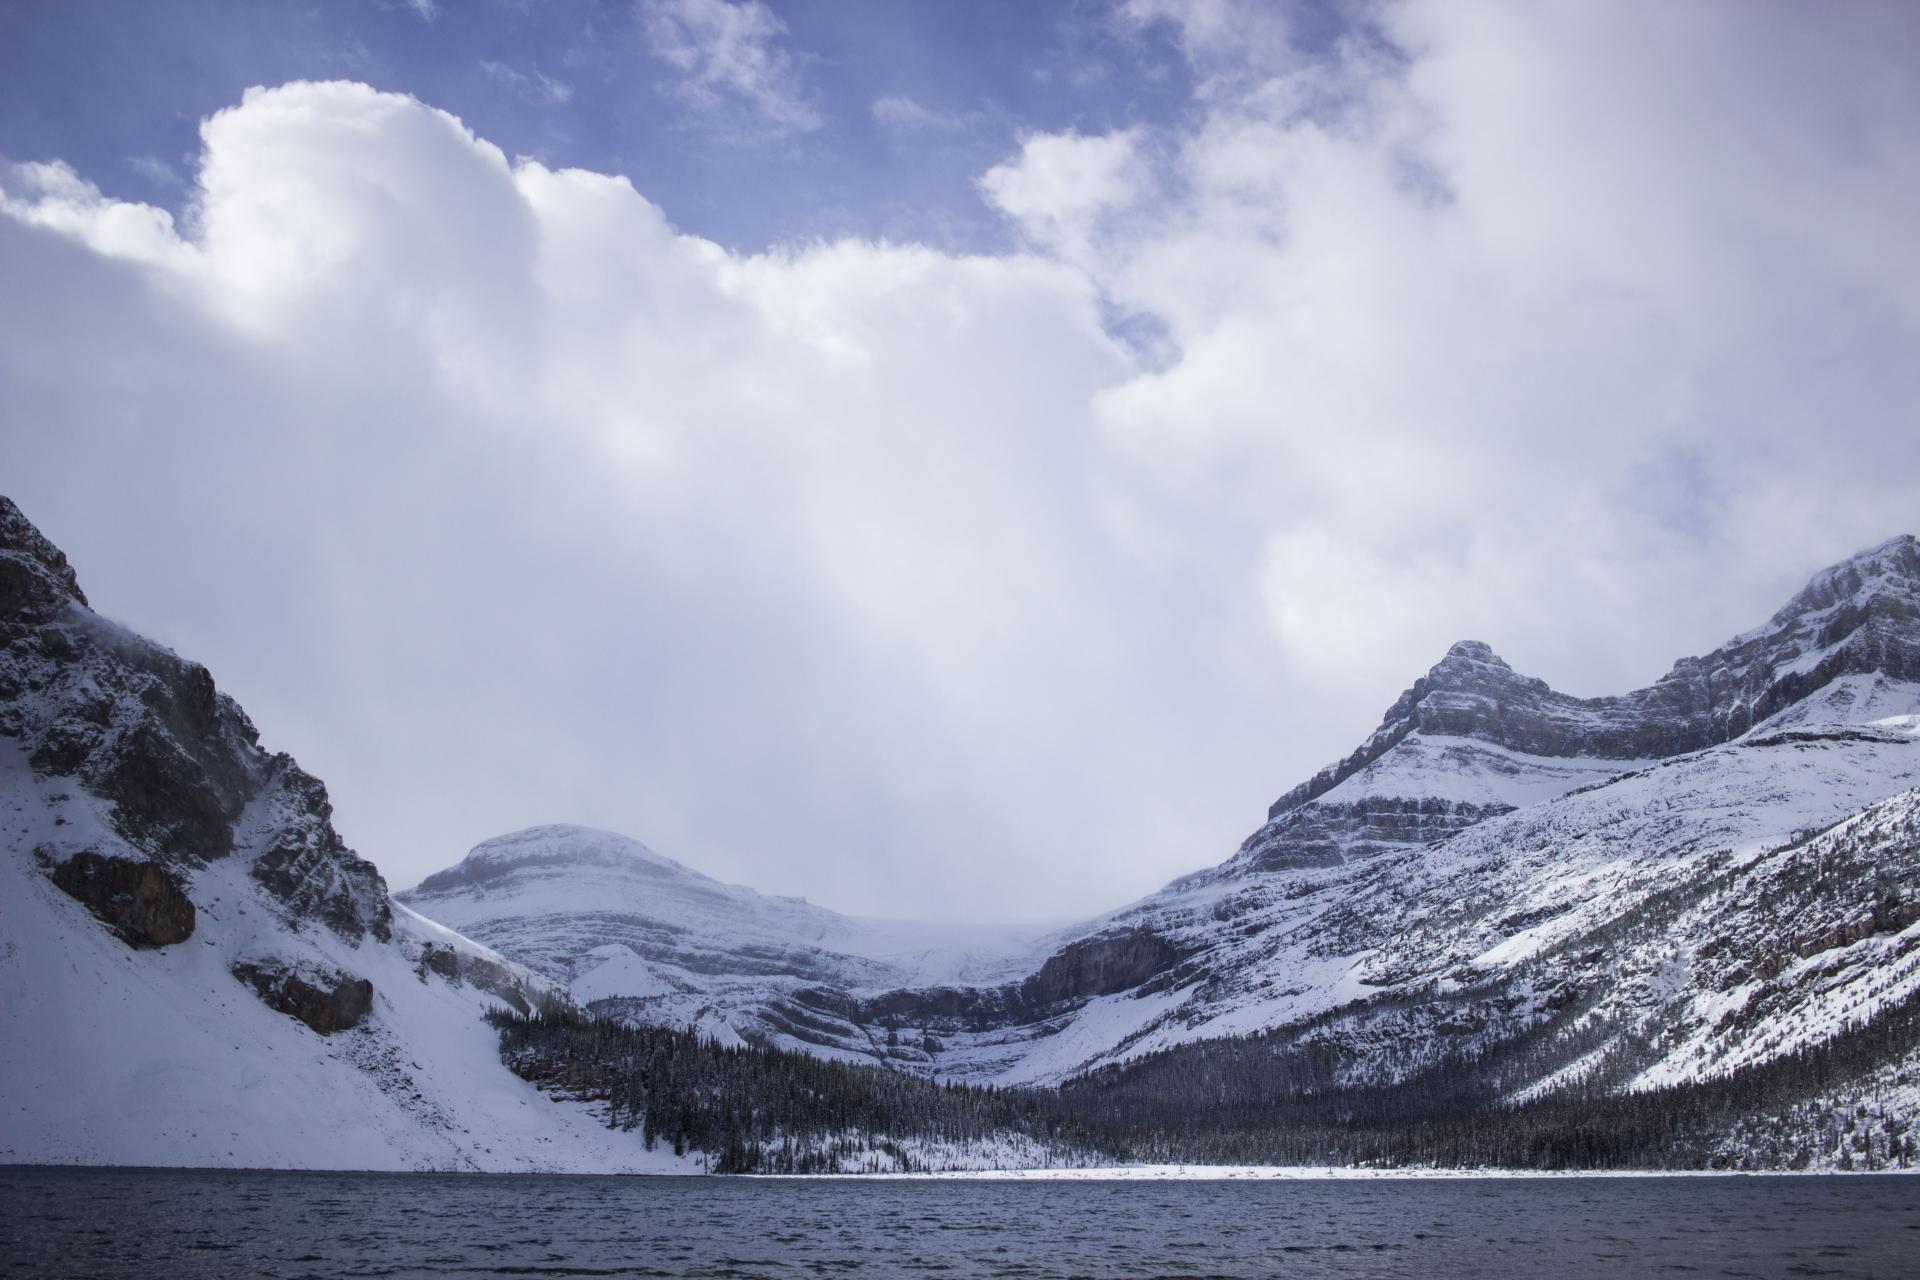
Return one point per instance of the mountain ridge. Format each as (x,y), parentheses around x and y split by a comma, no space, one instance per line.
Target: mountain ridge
(1471,745)
(1471,676)
(195,969)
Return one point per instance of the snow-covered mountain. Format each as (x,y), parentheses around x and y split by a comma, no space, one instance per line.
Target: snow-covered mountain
(1503,885)
(615,921)
(1609,882)
(194,969)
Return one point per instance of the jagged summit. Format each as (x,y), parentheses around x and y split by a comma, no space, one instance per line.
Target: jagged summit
(1473,738)
(1860,617)
(1890,571)
(1470,693)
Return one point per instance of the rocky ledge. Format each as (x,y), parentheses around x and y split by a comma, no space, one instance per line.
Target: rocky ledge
(327,1002)
(139,901)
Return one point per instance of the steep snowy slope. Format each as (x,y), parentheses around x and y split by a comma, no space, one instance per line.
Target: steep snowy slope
(1481,847)
(194,970)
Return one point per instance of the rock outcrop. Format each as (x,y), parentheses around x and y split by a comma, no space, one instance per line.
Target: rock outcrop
(36,582)
(139,901)
(326,1002)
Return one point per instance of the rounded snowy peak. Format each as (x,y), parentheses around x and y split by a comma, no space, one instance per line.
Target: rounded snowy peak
(551,849)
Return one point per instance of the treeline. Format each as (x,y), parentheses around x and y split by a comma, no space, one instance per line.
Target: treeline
(1262,1100)
(1258,1100)
(763,1110)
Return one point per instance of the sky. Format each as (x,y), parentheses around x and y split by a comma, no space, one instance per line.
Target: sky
(945,460)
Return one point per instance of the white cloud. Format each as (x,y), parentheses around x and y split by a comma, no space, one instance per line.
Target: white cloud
(500,501)
(154,170)
(888,576)
(533,85)
(1444,313)
(1063,189)
(734,74)
(902,114)
(52,195)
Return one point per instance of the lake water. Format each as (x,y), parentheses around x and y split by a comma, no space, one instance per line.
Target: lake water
(109,1223)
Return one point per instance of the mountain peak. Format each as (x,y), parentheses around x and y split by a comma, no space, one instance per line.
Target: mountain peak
(555,846)
(1476,650)
(1892,567)
(1859,617)
(35,578)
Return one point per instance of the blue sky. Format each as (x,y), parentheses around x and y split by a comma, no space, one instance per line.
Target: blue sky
(947,460)
(119,90)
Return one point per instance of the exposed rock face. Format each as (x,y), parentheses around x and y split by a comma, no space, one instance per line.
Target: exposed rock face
(1326,834)
(136,724)
(488,975)
(1100,965)
(327,1002)
(36,582)
(141,901)
(306,864)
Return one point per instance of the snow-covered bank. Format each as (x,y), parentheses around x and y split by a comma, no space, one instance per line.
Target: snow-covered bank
(1300,1173)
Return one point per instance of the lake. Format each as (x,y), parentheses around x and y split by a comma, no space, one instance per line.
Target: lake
(156,1223)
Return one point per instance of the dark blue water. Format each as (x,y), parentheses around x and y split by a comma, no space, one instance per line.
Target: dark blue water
(109,1223)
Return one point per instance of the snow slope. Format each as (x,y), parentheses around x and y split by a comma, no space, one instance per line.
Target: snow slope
(116,750)
(160,1057)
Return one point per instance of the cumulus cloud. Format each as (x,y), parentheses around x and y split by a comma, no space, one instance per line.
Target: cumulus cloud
(1456,299)
(735,76)
(889,576)
(574,516)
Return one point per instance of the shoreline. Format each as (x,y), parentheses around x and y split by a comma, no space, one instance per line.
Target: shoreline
(1305,1173)
(1101,1173)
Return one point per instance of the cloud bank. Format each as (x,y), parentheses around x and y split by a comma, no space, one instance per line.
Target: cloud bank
(926,584)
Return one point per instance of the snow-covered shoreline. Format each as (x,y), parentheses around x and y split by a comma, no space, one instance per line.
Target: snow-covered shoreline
(1105,1173)
(1317,1173)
